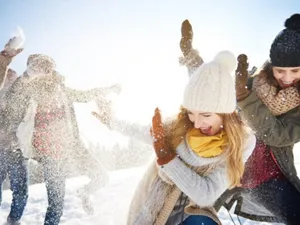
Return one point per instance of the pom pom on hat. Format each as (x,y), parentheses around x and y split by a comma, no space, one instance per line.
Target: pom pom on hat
(227,60)
(211,87)
(293,23)
(285,49)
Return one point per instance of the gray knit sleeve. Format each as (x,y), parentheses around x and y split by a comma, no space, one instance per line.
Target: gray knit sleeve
(203,190)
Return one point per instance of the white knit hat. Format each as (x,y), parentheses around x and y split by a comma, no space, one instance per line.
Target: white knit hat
(211,87)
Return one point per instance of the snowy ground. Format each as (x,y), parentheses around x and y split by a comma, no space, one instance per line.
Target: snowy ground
(111,203)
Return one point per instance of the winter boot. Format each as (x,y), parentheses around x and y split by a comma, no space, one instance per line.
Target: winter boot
(86,202)
(11,222)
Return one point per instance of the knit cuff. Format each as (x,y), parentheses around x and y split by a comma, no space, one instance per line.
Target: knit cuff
(166,159)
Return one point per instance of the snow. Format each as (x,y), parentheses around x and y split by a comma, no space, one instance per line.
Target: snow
(111,202)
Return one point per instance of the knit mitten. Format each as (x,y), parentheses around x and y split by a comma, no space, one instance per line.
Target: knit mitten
(163,152)
(191,57)
(186,37)
(241,78)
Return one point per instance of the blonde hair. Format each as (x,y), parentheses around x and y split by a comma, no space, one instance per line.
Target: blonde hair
(233,127)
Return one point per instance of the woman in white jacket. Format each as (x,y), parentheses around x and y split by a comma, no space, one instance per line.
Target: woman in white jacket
(200,154)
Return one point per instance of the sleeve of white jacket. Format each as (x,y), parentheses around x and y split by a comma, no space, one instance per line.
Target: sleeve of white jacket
(133,130)
(81,96)
(204,191)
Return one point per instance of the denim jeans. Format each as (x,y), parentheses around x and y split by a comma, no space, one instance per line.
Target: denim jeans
(13,164)
(199,220)
(55,180)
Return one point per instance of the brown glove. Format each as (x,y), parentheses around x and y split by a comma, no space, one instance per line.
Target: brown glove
(241,78)
(163,152)
(186,37)
(191,57)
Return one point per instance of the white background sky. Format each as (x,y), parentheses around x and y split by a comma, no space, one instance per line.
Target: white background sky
(99,42)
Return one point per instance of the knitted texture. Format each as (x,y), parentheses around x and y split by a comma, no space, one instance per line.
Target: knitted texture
(278,103)
(211,87)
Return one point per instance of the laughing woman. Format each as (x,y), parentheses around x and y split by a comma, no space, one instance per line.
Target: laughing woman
(199,154)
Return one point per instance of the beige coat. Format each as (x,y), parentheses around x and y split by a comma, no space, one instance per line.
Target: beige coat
(154,187)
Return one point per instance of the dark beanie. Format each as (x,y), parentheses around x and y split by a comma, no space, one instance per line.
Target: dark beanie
(285,49)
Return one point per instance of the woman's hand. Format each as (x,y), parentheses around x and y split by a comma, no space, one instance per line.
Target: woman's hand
(105,111)
(163,152)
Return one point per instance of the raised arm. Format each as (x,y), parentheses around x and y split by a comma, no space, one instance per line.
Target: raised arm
(10,50)
(134,130)
(81,96)
(4,62)
(13,103)
(191,57)
(89,95)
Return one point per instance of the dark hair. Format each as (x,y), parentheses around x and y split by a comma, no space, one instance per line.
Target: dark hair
(267,72)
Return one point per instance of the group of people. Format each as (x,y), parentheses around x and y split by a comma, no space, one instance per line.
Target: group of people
(38,122)
(231,141)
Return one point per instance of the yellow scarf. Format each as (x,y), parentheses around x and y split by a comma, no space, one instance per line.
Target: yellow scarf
(206,146)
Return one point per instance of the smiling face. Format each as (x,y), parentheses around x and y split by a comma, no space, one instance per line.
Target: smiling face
(286,76)
(208,123)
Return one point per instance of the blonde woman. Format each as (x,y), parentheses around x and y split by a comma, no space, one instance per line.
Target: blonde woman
(200,153)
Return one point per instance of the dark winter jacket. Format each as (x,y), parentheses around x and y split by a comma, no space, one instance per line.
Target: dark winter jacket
(280,133)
